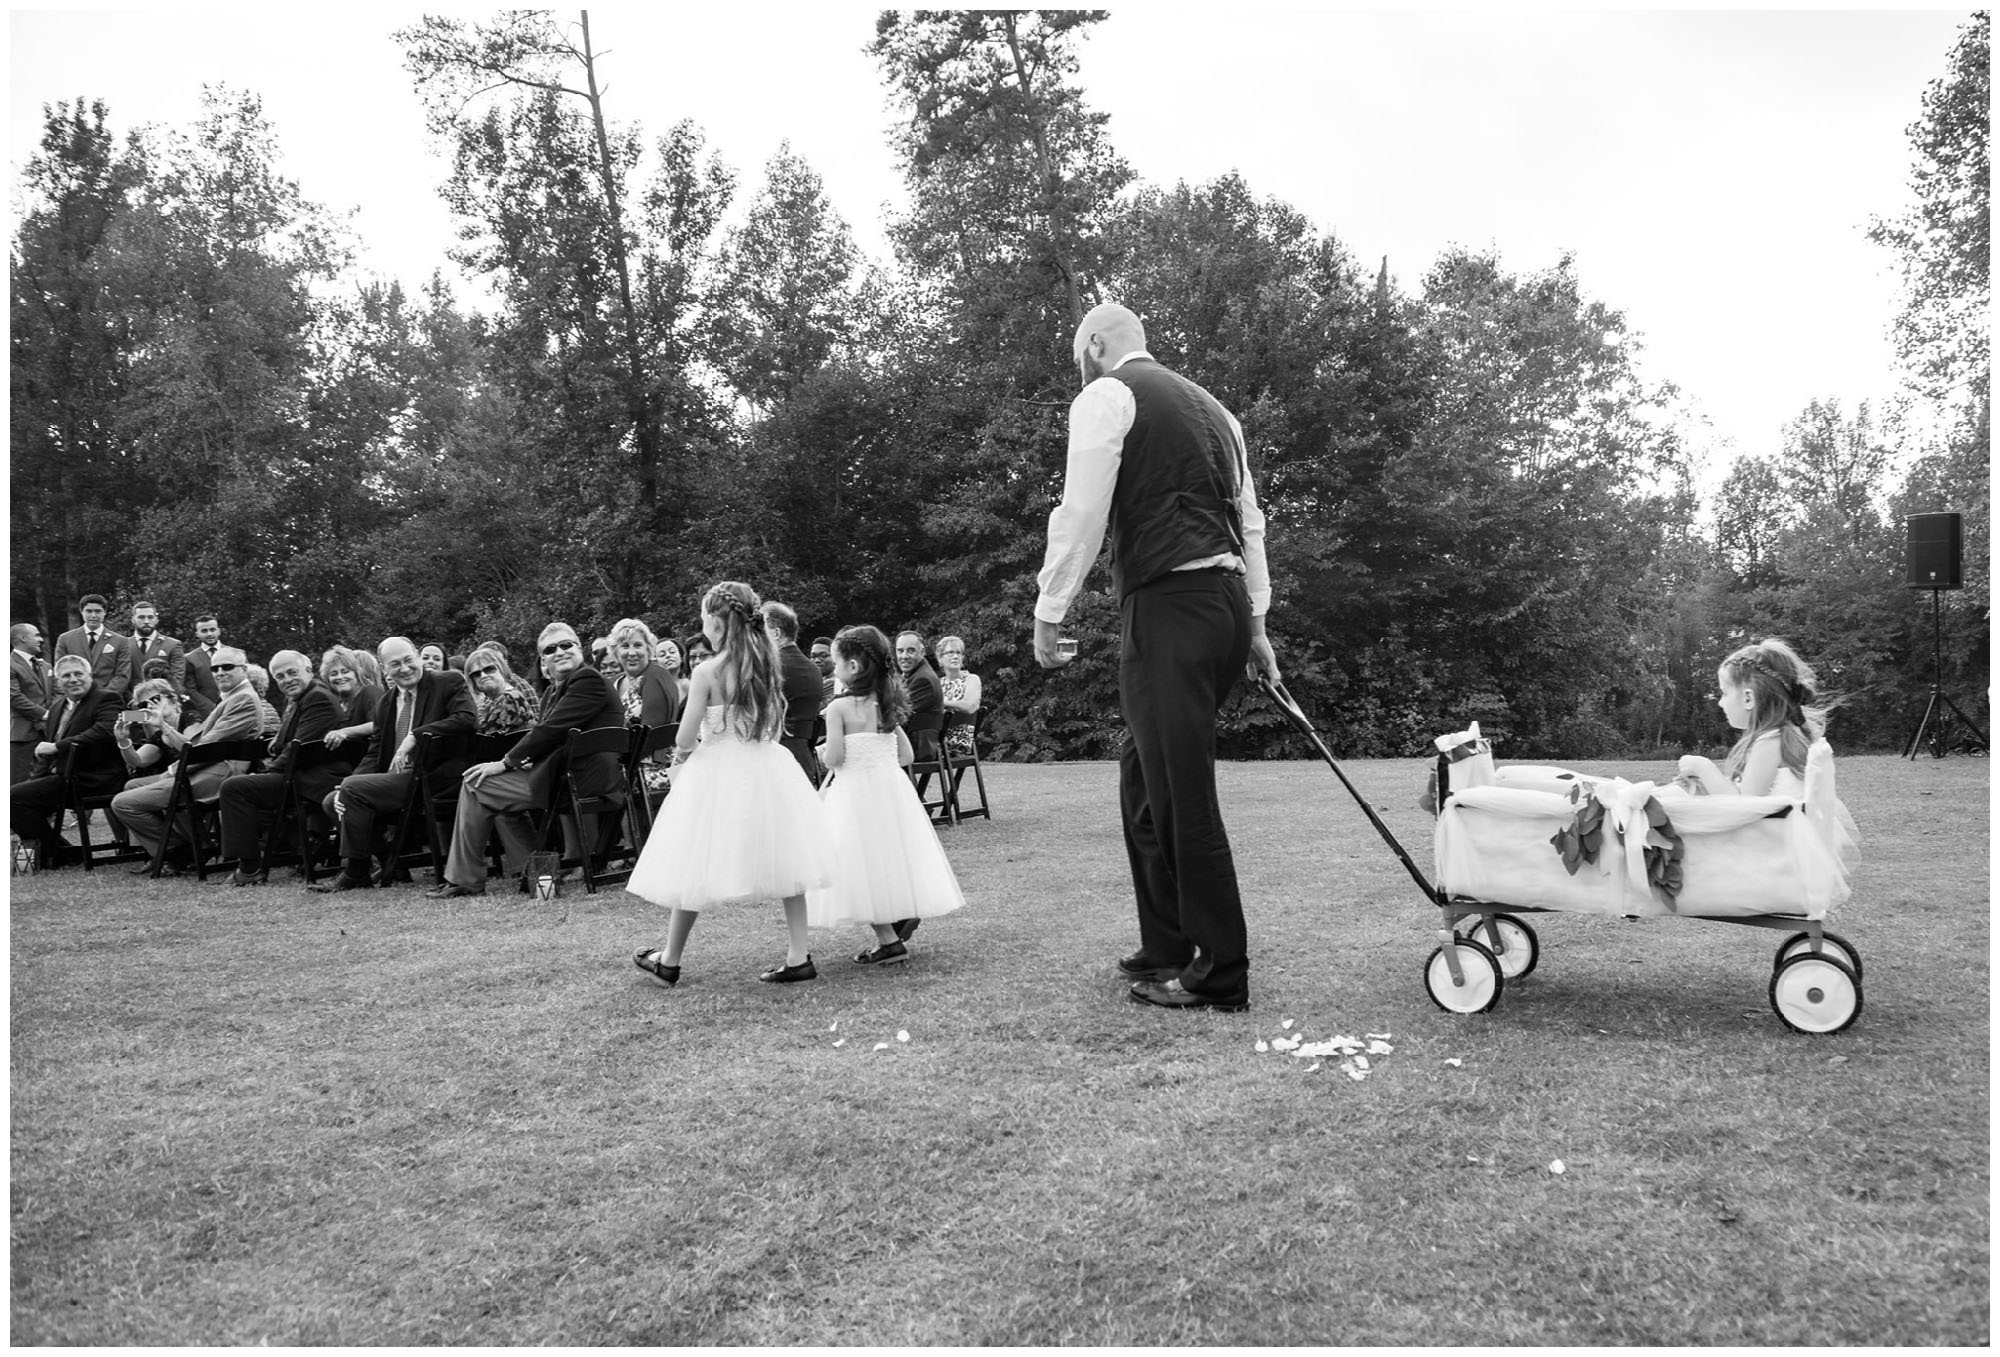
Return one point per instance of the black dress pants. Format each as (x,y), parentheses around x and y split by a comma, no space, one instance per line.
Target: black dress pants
(1186,639)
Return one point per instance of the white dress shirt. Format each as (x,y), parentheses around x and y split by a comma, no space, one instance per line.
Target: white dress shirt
(1099,419)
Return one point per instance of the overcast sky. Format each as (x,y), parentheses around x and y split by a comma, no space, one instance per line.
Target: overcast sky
(1712,172)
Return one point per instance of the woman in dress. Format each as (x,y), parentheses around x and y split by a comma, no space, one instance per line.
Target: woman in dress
(961,696)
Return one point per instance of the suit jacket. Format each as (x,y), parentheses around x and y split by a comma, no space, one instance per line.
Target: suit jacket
(802,686)
(160,646)
(202,693)
(100,768)
(444,708)
(926,709)
(310,716)
(110,664)
(582,700)
(28,692)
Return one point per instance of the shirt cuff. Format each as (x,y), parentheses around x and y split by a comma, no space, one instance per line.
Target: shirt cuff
(1050,610)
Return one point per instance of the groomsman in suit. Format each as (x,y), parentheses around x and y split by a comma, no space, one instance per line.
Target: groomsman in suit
(238,716)
(926,696)
(525,778)
(249,799)
(1163,464)
(110,657)
(80,718)
(202,692)
(418,701)
(150,643)
(29,693)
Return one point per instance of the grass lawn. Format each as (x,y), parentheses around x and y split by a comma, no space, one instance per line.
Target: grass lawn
(245,1116)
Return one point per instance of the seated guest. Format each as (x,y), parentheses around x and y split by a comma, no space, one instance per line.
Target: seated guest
(694,650)
(355,700)
(647,692)
(926,699)
(370,670)
(507,705)
(82,719)
(802,687)
(421,701)
(272,711)
(961,691)
(137,734)
(143,804)
(667,653)
(250,799)
(578,698)
(431,657)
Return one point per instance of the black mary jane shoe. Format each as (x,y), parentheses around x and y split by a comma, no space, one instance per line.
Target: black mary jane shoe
(648,960)
(785,975)
(1169,994)
(884,954)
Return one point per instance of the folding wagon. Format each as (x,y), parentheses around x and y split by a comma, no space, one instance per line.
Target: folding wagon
(1532,840)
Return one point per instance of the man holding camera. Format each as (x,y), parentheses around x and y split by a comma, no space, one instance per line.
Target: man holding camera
(80,719)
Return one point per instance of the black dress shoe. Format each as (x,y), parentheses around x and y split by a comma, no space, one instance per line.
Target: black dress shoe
(1142,967)
(785,975)
(342,882)
(239,877)
(451,891)
(1169,994)
(905,927)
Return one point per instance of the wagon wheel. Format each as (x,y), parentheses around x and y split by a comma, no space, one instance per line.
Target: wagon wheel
(1519,949)
(1815,994)
(1483,978)
(1831,944)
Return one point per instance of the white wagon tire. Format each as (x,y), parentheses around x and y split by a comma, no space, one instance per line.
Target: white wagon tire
(1831,944)
(1519,949)
(1483,978)
(1815,994)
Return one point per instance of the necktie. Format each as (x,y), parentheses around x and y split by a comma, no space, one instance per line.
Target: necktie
(93,640)
(69,710)
(403,704)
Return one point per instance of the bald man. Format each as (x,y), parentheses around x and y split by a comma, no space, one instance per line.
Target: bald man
(249,800)
(1161,462)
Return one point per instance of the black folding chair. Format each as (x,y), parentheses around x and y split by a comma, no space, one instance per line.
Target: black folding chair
(642,805)
(961,764)
(937,765)
(81,806)
(597,817)
(295,812)
(181,799)
(435,797)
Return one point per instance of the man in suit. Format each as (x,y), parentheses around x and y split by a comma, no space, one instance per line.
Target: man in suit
(249,799)
(150,643)
(1160,460)
(80,719)
(801,680)
(926,696)
(526,778)
(419,701)
(202,692)
(110,657)
(238,716)
(29,693)
(822,658)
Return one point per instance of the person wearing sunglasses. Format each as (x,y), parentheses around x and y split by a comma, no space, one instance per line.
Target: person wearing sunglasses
(526,777)
(238,715)
(507,705)
(418,702)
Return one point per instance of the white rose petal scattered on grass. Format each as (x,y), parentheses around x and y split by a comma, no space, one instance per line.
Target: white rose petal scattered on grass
(838,1044)
(1380,1036)
(1360,1062)
(1454,1062)
(835,1027)
(1380,1048)
(1310,1068)
(1262,1045)
(1557,1167)
(1286,1024)
(881,1045)
(902,1036)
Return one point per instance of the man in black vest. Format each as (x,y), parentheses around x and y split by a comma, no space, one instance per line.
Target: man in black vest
(1165,464)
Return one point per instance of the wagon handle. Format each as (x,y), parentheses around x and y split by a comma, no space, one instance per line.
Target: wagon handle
(1275,690)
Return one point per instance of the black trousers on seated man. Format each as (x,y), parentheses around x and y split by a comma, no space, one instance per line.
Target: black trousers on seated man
(1186,640)
(374,801)
(249,803)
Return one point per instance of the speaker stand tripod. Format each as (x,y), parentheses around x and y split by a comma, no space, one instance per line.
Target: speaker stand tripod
(1939,711)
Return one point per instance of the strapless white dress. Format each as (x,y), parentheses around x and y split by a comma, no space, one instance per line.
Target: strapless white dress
(742,824)
(888,863)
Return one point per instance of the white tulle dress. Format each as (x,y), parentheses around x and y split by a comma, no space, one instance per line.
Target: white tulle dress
(741,825)
(888,863)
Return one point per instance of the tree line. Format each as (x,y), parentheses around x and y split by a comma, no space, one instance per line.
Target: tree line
(1479,509)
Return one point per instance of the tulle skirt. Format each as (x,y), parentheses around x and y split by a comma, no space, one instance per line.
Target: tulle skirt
(742,824)
(888,863)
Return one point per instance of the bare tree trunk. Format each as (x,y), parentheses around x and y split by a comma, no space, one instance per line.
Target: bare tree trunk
(1051,199)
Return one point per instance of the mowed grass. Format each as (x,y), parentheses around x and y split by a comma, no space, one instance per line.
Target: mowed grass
(264,1115)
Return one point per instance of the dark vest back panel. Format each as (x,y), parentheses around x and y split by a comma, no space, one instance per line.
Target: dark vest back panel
(1178,477)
